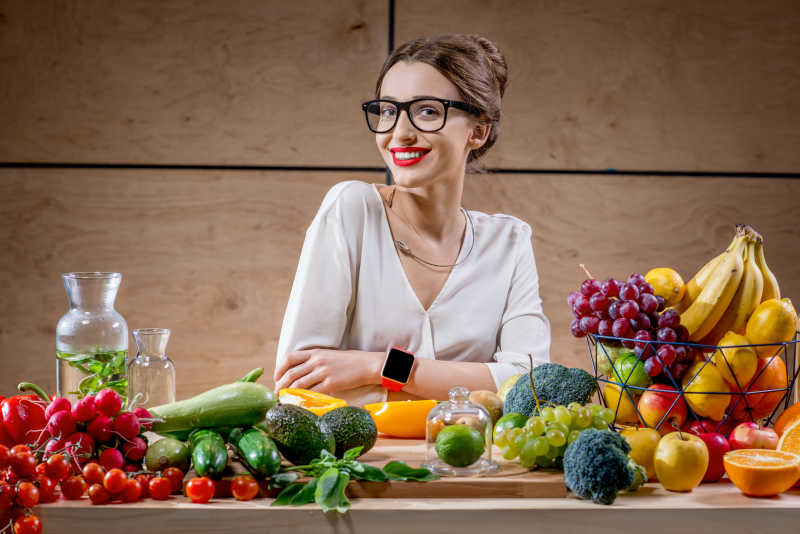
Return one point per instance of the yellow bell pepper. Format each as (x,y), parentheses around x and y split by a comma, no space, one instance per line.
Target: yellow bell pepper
(401,419)
(314,402)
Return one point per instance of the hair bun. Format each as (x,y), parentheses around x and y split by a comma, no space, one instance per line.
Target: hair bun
(496,60)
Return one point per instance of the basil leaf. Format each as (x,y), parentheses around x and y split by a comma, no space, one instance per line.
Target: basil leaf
(326,455)
(281,480)
(354,467)
(341,487)
(305,495)
(326,496)
(401,471)
(353,453)
(371,474)
(74,358)
(286,495)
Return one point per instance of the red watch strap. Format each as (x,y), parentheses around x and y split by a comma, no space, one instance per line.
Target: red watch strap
(391,385)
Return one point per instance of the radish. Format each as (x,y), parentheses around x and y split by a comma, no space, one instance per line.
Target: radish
(58,404)
(135,450)
(131,468)
(79,446)
(111,459)
(100,428)
(126,425)
(61,424)
(84,410)
(108,402)
(145,418)
(53,446)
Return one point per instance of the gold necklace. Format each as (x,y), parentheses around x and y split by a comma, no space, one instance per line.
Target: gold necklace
(405,249)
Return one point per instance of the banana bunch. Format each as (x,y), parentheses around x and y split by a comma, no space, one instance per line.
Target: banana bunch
(726,290)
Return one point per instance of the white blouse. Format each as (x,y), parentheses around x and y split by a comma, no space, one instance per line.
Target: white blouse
(351,292)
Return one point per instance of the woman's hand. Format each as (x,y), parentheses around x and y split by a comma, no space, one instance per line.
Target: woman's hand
(327,370)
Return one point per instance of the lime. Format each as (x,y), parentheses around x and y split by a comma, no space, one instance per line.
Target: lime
(459,445)
(509,420)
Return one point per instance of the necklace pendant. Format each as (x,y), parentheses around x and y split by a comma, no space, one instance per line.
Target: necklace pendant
(403,247)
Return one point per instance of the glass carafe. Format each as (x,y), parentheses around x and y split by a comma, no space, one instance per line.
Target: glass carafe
(459,437)
(151,374)
(91,338)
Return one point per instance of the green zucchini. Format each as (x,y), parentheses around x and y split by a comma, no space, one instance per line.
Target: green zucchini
(257,452)
(209,455)
(237,404)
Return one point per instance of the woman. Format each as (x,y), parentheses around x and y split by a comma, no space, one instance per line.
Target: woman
(405,265)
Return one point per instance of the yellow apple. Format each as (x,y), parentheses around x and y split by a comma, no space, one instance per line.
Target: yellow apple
(643,442)
(681,460)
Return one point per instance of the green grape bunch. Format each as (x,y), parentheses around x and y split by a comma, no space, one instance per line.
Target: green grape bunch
(541,442)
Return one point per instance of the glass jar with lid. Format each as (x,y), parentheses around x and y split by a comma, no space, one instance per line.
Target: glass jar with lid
(459,437)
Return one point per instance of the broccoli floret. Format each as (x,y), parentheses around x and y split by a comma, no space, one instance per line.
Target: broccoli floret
(555,384)
(597,466)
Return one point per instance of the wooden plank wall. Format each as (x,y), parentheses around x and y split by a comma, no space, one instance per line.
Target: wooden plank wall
(129,90)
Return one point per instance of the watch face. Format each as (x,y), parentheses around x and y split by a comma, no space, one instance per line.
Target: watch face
(398,365)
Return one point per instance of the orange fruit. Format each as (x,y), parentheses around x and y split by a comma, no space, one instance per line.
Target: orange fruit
(762,472)
(770,374)
(314,402)
(790,440)
(787,418)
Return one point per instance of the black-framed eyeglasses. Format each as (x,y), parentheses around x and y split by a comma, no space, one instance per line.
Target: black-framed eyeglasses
(426,114)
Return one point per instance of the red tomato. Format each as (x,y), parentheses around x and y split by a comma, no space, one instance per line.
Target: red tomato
(200,490)
(47,488)
(160,488)
(20,448)
(132,491)
(23,464)
(27,494)
(40,469)
(175,476)
(144,481)
(57,467)
(27,524)
(115,481)
(5,455)
(98,494)
(93,473)
(244,487)
(7,493)
(73,487)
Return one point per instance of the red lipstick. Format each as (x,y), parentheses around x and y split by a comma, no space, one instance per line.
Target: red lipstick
(406,149)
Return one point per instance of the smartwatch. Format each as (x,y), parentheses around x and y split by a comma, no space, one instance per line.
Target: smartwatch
(396,369)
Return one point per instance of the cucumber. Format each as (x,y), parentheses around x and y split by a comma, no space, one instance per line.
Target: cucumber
(209,455)
(258,453)
(237,404)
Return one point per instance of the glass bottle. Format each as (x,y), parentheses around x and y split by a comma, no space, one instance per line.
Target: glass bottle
(91,338)
(151,374)
(459,437)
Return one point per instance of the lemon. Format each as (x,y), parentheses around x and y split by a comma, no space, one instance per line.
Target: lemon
(773,321)
(702,392)
(741,360)
(621,405)
(506,387)
(667,283)
(459,445)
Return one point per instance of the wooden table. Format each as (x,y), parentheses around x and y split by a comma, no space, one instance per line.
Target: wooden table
(717,508)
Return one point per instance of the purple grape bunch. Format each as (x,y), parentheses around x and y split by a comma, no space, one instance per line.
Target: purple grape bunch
(630,309)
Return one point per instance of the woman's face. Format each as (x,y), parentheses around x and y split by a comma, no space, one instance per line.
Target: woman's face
(444,153)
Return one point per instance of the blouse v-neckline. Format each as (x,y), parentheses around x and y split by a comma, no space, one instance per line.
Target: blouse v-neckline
(466,242)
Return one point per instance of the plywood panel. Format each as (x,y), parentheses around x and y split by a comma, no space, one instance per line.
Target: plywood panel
(637,85)
(188,81)
(212,255)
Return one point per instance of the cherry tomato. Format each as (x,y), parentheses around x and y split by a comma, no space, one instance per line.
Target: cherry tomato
(115,480)
(47,488)
(175,476)
(93,473)
(5,454)
(27,494)
(244,487)
(57,467)
(20,448)
(40,469)
(160,488)
(73,487)
(98,494)
(7,494)
(200,490)
(27,524)
(132,491)
(144,481)
(23,464)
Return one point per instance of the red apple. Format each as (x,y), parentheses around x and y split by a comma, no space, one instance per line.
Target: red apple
(699,427)
(753,436)
(661,401)
(717,447)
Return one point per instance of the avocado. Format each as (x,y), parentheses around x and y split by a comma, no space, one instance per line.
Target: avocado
(167,452)
(351,427)
(298,433)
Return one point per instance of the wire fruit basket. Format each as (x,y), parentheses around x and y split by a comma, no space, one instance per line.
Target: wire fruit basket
(761,398)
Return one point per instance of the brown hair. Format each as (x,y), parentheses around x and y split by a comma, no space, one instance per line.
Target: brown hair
(472,63)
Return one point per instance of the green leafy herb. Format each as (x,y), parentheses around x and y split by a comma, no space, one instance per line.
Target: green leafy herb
(102,369)
(330,476)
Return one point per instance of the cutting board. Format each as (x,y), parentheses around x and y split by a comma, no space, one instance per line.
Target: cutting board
(511,480)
